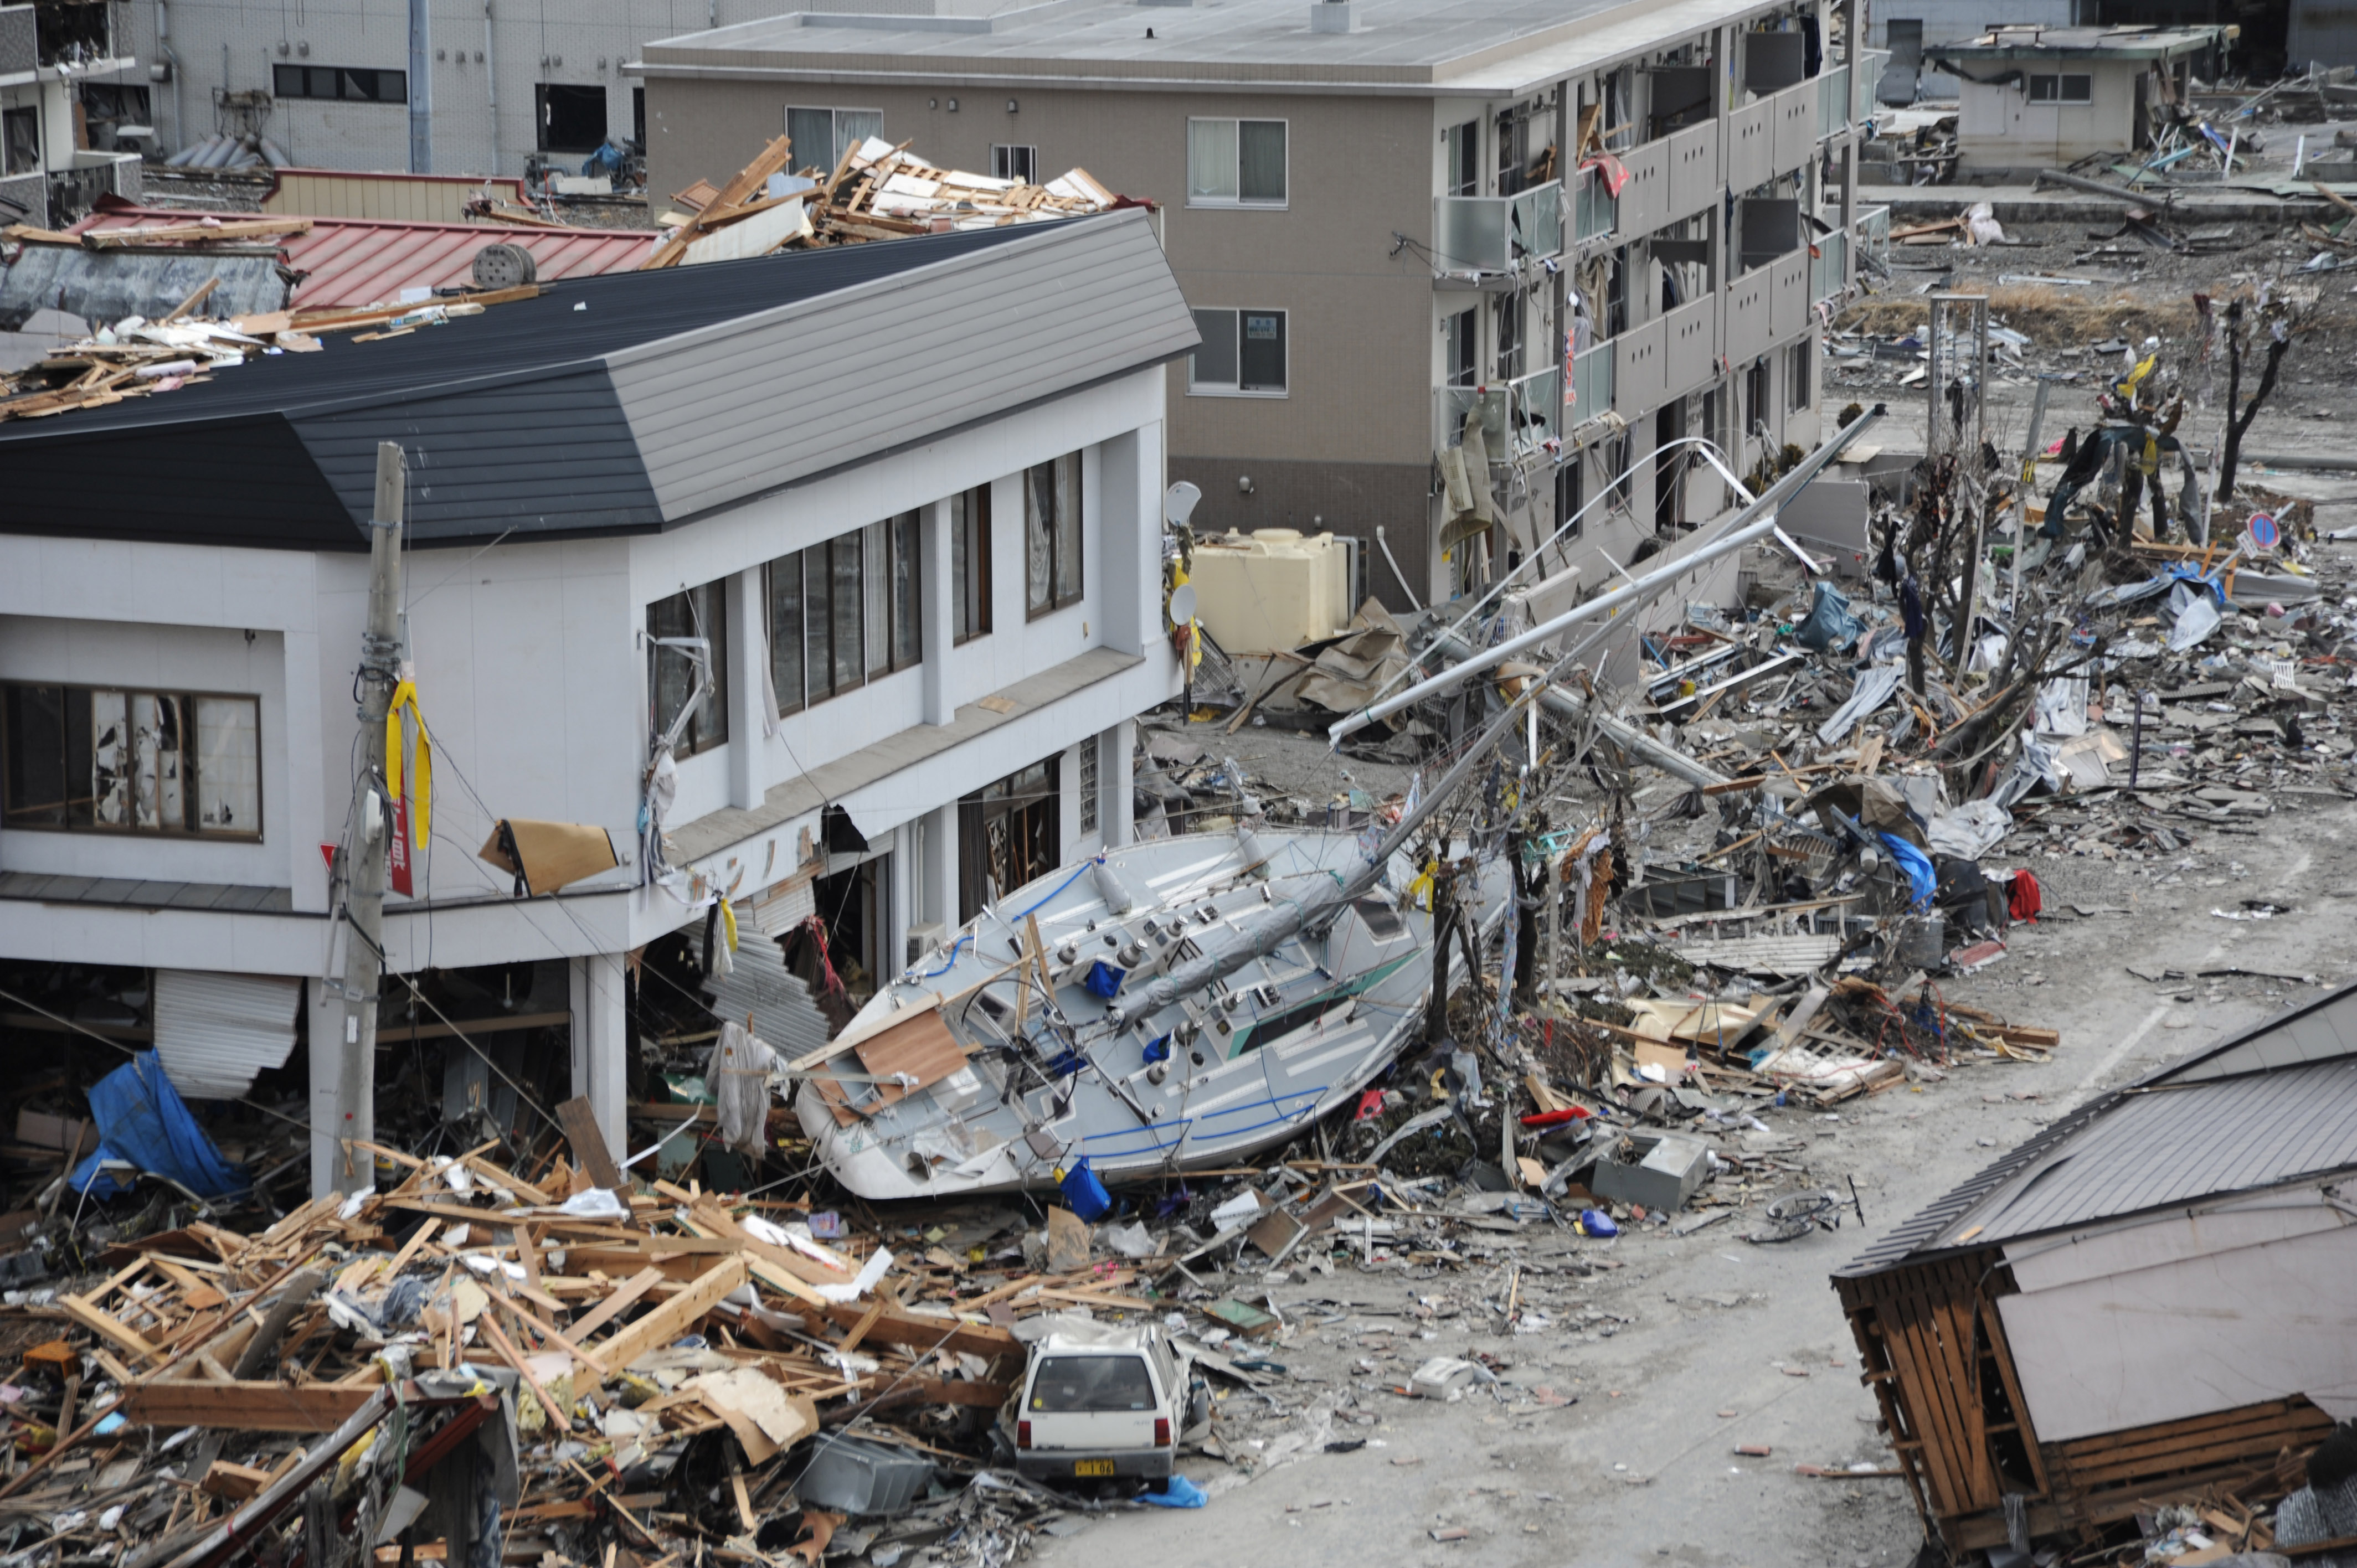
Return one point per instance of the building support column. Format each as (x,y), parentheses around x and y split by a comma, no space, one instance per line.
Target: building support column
(937,590)
(900,900)
(748,646)
(936,878)
(601,1043)
(324,1002)
(1117,799)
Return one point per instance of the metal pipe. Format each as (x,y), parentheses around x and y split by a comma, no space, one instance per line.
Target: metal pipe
(222,1542)
(1755,521)
(491,82)
(1405,586)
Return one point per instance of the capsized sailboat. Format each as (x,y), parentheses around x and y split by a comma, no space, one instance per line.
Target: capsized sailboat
(1180,1004)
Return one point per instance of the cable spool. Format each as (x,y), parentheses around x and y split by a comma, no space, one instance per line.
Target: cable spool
(504,266)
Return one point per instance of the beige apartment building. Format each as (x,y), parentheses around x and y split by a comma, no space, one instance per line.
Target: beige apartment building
(1600,228)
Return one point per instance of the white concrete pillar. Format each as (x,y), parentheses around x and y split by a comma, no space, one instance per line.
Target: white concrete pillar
(899,901)
(938,876)
(323,1000)
(937,591)
(1115,813)
(1129,517)
(601,1043)
(748,646)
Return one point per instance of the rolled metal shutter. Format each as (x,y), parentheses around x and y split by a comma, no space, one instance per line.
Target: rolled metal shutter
(215,1032)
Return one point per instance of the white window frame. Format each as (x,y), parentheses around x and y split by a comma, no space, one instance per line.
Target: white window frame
(1236,388)
(1239,201)
(998,169)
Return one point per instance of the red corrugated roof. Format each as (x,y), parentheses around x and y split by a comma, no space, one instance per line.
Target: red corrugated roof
(355,261)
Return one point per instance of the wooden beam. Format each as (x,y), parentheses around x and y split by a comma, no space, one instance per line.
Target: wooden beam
(245,1407)
(672,1318)
(590,1151)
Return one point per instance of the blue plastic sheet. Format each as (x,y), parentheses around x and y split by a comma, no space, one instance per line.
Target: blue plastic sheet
(142,1119)
(1086,1193)
(1104,980)
(1916,865)
(1829,624)
(1179,1492)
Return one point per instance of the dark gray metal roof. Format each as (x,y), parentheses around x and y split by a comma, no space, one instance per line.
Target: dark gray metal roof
(2270,1105)
(629,403)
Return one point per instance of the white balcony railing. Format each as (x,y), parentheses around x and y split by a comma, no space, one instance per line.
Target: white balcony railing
(1590,393)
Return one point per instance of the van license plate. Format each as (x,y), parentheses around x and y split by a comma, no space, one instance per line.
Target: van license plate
(1092,1466)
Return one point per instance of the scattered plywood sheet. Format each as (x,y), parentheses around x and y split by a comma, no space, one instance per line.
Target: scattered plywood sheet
(911,1055)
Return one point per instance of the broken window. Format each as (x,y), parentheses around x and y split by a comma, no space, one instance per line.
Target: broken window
(1460,352)
(1800,374)
(820,136)
(1090,749)
(1464,145)
(671,671)
(2063,89)
(1235,162)
(1507,313)
(1015,163)
(970,564)
(1756,399)
(125,761)
(845,611)
(1051,534)
(571,117)
(20,141)
(343,84)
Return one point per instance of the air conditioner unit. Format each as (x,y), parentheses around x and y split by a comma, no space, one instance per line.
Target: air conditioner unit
(924,938)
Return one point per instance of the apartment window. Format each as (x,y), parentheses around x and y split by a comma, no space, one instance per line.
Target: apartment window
(1015,163)
(20,141)
(1235,162)
(1757,399)
(2063,89)
(1620,458)
(571,116)
(1051,534)
(970,564)
(1513,150)
(845,611)
(1241,352)
(1460,349)
(1507,313)
(1464,145)
(671,671)
(1570,488)
(1801,374)
(106,760)
(348,84)
(1090,749)
(820,136)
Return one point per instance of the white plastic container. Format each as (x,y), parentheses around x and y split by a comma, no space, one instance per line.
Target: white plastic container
(1272,591)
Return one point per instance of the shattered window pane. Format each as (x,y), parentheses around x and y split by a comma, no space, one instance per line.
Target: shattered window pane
(699,612)
(1038,509)
(111,760)
(1068,528)
(229,765)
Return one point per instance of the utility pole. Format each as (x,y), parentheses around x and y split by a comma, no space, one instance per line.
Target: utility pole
(373,823)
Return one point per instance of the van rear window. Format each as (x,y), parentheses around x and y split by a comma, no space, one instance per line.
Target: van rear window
(1075,1385)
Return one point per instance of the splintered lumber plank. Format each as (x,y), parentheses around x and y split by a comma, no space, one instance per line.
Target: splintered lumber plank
(605,1312)
(911,1331)
(750,178)
(245,1407)
(590,1151)
(666,1322)
(100,1323)
(234,229)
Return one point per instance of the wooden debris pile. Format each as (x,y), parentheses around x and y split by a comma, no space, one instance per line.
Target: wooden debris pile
(136,357)
(876,191)
(668,1361)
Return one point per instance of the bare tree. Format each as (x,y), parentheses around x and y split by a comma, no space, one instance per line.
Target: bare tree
(2238,417)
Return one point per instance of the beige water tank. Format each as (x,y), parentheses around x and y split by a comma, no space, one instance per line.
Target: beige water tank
(1272,591)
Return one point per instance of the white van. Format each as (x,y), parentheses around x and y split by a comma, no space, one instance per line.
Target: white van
(1099,1401)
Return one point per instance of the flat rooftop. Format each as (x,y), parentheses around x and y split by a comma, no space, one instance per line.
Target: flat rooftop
(2029,42)
(1479,45)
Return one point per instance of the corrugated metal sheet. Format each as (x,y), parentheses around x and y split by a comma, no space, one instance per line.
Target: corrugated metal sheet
(931,348)
(359,262)
(214,1032)
(2323,1029)
(779,910)
(2165,1147)
(411,197)
(761,984)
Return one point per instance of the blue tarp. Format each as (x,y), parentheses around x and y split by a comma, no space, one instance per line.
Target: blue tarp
(1829,624)
(1916,865)
(1178,1492)
(141,1119)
